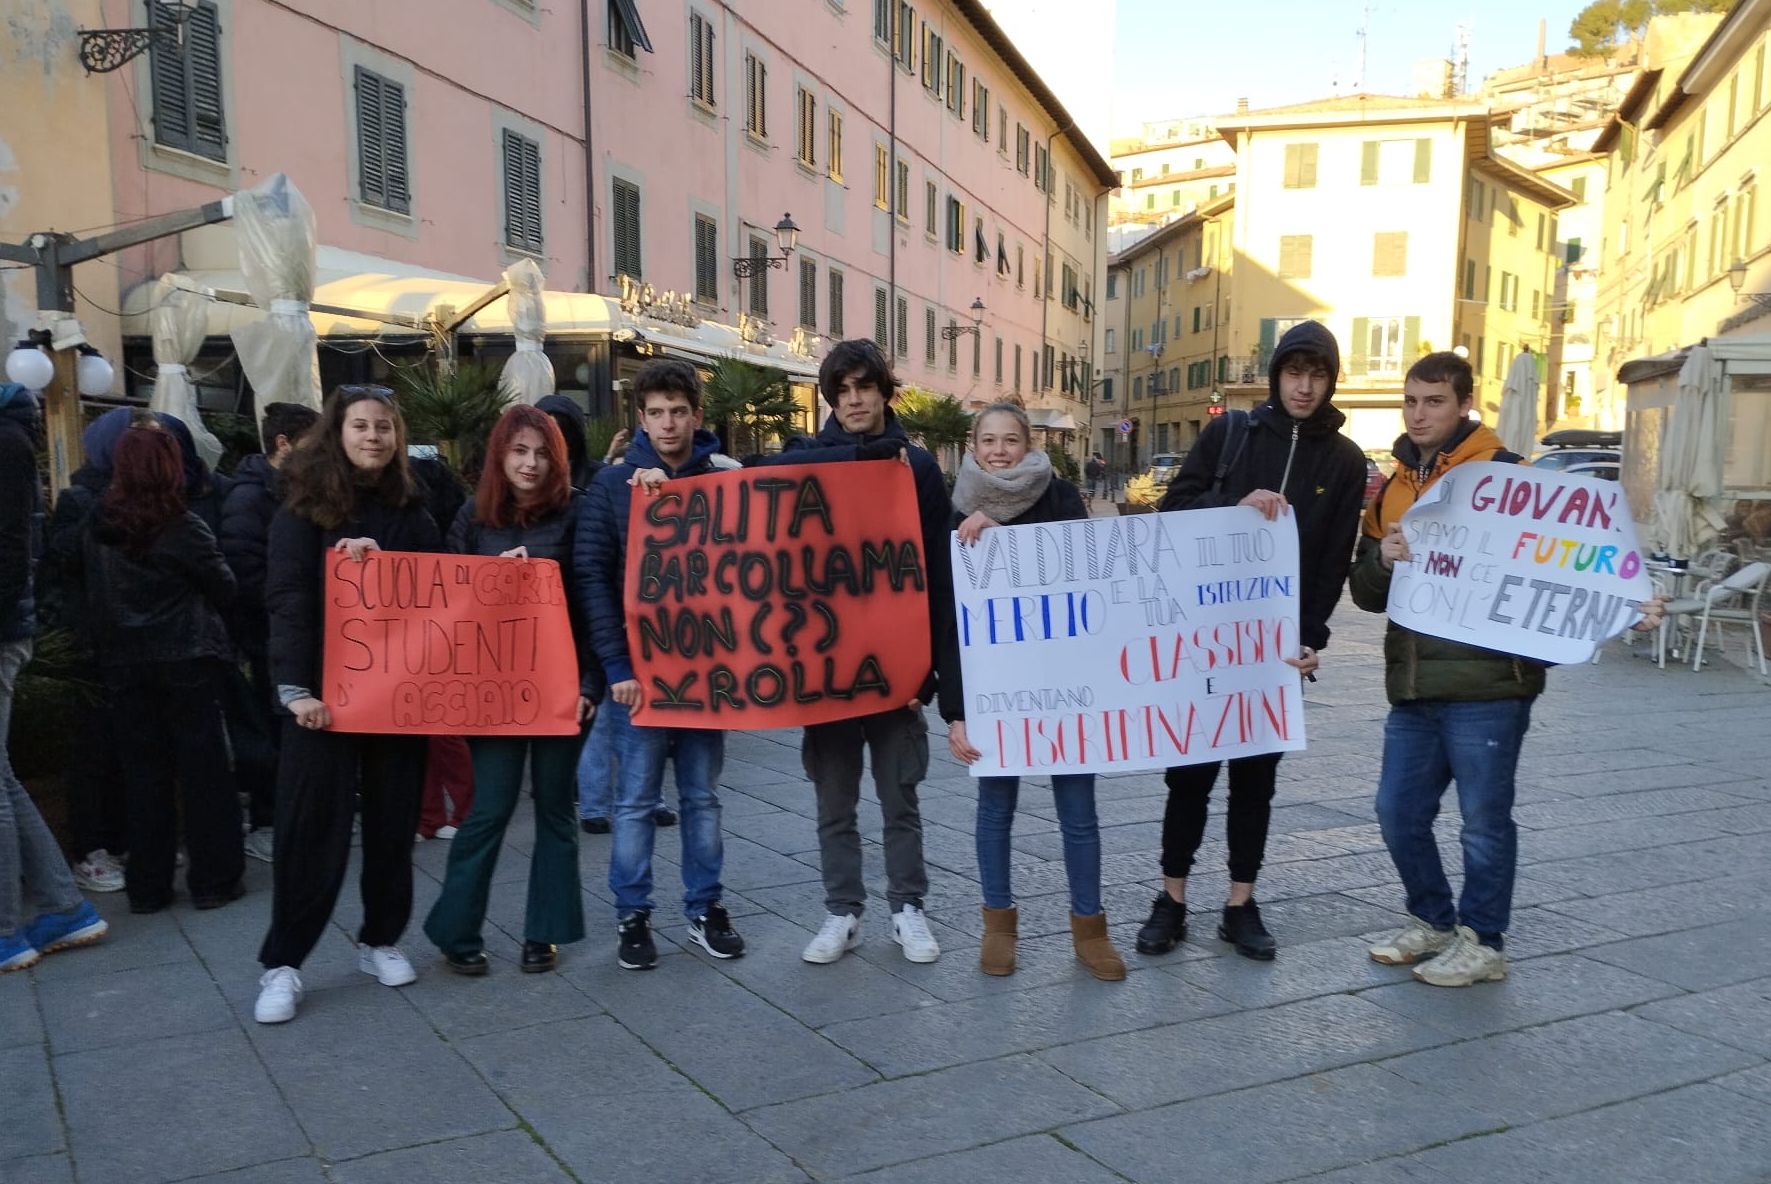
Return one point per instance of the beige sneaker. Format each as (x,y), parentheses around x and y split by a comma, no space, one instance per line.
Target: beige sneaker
(1417,940)
(1465,962)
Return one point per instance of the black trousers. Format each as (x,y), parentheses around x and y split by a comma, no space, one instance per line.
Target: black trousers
(319,777)
(98,812)
(253,732)
(1251,807)
(173,751)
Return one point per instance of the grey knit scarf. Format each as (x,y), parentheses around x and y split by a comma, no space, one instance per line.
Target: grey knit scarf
(1003,494)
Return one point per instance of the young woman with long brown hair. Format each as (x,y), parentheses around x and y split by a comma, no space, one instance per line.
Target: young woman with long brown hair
(349,490)
(525,508)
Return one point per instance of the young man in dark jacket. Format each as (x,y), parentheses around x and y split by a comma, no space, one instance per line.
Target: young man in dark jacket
(1288,459)
(30,859)
(857,382)
(246,514)
(668,397)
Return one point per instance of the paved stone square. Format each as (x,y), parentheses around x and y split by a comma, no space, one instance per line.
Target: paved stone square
(1632,1042)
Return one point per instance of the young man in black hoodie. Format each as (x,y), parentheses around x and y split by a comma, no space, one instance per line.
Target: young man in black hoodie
(1286,458)
(857,382)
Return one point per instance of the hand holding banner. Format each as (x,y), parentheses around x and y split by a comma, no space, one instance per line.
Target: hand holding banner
(1522,561)
(1115,644)
(777,597)
(448,645)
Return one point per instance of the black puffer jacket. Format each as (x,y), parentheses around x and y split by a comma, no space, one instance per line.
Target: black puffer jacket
(1061,502)
(295,577)
(1325,483)
(21,513)
(551,538)
(161,606)
(246,515)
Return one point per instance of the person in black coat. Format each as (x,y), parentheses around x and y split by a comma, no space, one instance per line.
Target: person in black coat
(156,585)
(1004,481)
(349,489)
(1288,459)
(246,513)
(525,509)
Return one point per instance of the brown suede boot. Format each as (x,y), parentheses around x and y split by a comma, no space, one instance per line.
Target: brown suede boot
(997,954)
(1094,949)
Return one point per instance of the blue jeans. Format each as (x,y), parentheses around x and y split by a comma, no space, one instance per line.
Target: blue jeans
(698,755)
(30,858)
(1427,745)
(1074,796)
(596,766)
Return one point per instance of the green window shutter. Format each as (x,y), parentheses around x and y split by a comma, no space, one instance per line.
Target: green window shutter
(1423,161)
(1223,368)
(1361,333)
(1410,340)
(1195,318)
(202,50)
(1268,333)
(395,178)
(166,69)
(371,140)
(1368,163)
(1306,168)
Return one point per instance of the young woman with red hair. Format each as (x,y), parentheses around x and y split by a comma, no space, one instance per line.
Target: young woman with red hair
(525,508)
(156,583)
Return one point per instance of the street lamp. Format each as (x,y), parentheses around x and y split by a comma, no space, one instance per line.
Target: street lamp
(30,366)
(955,332)
(786,238)
(92,374)
(1737,280)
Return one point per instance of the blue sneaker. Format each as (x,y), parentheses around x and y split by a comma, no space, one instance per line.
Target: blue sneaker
(60,931)
(16,953)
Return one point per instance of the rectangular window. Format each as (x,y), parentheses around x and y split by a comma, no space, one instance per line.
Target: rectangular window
(1002,129)
(1294,256)
(627,35)
(1023,149)
(931,202)
(977,354)
(1509,292)
(522,197)
(1381,345)
(1542,225)
(1390,162)
(835,324)
(833,147)
(903,327)
(952,347)
(701,60)
(881,315)
(1746,465)
(806,127)
(1112,286)
(1389,253)
(1469,279)
(382,176)
(1300,166)
(808,293)
(1042,177)
(955,225)
(1110,342)
(905,35)
(706,259)
(981,113)
(1578,187)
(955,85)
(903,204)
(625,227)
(1017,368)
(187,84)
(928,332)
(759,277)
(883,11)
(756,81)
(932,57)
(1020,266)
(998,378)
(882,176)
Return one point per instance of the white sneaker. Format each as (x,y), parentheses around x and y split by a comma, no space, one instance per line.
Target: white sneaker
(279,990)
(260,844)
(447,832)
(99,872)
(839,935)
(910,929)
(1465,962)
(1416,940)
(387,964)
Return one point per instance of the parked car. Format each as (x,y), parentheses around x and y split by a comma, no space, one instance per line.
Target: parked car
(1565,449)
(1164,466)
(1605,470)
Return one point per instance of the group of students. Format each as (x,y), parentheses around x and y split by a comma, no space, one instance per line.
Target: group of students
(161,595)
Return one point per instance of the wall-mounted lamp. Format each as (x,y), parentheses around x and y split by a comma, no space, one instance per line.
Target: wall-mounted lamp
(786,238)
(955,332)
(1737,281)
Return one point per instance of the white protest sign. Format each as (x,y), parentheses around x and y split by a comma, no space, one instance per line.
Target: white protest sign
(1521,560)
(1139,642)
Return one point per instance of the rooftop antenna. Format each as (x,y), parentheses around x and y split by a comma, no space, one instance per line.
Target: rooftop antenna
(1364,39)
(1460,60)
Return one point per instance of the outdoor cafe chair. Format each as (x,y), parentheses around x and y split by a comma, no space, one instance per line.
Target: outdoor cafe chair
(1735,598)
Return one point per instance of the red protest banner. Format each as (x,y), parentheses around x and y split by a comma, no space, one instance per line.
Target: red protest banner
(448,645)
(777,597)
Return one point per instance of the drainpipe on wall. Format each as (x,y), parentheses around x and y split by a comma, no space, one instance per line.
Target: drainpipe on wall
(589,157)
(891,341)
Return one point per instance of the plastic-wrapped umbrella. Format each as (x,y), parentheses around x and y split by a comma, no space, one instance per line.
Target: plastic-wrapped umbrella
(275,227)
(1517,423)
(528,375)
(179,322)
(1690,470)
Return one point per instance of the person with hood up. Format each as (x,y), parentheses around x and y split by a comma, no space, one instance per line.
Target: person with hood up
(1288,459)
(857,382)
(670,440)
(30,860)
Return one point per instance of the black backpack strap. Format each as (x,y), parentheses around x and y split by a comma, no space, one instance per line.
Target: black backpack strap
(1235,438)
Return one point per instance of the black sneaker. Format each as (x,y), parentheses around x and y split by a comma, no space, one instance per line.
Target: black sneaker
(1242,927)
(713,932)
(594,826)
(1166,928)
(663,816)
(637,951)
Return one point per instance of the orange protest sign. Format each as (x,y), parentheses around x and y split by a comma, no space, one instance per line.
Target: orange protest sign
(777,597)
(448,645)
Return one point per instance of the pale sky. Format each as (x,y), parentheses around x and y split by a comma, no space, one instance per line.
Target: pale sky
(1117,63)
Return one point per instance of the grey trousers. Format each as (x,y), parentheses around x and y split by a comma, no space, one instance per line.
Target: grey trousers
(28,852)
(898,741)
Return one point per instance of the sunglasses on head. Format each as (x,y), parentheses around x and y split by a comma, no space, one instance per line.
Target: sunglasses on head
(366,390)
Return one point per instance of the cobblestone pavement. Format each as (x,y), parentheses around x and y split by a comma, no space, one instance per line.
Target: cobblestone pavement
(1632,1042)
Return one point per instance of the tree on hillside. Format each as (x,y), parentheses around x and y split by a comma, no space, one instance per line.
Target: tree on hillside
(1604,24)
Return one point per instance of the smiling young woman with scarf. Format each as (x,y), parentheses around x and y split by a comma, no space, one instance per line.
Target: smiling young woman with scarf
(1003,481)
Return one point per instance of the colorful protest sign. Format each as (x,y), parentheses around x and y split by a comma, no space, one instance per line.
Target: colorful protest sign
(777,597)
(448,645)
(1521,560)
(1139,642)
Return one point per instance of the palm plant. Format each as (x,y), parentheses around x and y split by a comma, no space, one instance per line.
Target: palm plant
(935,421)
(451,407)
(753,403)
